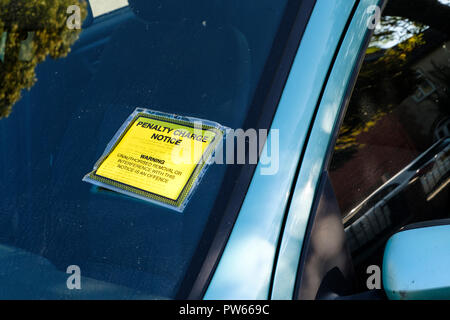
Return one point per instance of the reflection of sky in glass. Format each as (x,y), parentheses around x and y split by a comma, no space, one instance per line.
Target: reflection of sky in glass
(401,33)
(100,7)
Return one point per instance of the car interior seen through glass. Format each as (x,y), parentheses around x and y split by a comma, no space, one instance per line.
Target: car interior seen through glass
(391,161)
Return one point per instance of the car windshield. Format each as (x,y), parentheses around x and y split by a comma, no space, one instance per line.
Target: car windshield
(64,93)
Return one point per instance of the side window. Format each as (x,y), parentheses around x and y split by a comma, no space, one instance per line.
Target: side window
(391,161)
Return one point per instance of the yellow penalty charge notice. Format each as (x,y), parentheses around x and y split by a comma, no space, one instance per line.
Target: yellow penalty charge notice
(157,157)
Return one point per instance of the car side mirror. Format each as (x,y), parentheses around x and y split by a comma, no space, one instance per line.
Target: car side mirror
(416,263)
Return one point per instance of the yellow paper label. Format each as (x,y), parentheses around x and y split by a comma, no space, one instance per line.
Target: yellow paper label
(158,157)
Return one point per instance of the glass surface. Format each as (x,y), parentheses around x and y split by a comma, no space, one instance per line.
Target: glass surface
(204,59)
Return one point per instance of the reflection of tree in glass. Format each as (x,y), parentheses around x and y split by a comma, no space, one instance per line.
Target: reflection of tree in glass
(384,81)
(393,30)
(432,13)
(405,18)
(31,30)
(385,78)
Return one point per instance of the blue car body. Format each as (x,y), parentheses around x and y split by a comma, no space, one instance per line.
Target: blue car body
(259,226)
